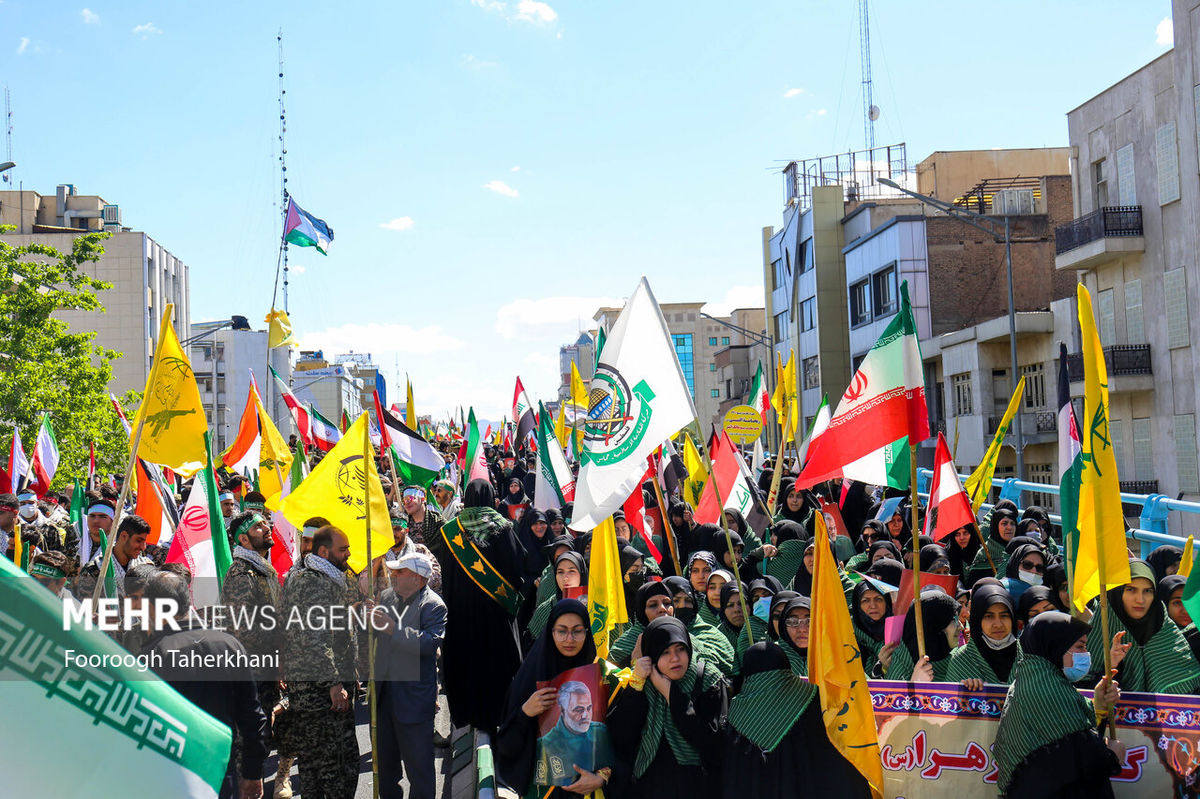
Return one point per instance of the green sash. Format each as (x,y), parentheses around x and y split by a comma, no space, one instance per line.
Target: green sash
(476,566)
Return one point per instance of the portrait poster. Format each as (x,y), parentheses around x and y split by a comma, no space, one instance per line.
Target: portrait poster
(572,732)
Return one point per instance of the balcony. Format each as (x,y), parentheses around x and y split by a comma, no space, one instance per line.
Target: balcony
(1139,486)
(1129,367)
(1037,427)
(1104,235)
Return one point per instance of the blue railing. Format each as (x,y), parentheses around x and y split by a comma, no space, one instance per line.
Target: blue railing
(1152,520)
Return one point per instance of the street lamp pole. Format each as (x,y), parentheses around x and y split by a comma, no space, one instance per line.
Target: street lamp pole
(993,228)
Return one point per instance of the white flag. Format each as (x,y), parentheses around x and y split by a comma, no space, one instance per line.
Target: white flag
(638,398)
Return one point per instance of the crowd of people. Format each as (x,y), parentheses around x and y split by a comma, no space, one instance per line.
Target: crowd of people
(482,598)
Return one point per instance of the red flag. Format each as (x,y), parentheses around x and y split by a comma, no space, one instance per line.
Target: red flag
(281,553)
(949,506)
(727,475)
(635,514)
(299,413)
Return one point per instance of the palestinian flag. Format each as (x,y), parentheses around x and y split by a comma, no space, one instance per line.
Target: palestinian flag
(881,411)
(416,461)
(324,434)
(760,400)
(305,230)
(299,412)
(1070,462)
(173,747)
(155,503)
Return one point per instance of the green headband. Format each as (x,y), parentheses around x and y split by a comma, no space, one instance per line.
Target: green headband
(248,523)
(48,571)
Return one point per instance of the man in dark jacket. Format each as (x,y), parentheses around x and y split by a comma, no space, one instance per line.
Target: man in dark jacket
(411,620)
(225,692)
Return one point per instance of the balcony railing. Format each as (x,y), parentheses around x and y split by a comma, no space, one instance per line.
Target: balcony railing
(1031,422)
(1139,486)
(1113,221)
(1121,359)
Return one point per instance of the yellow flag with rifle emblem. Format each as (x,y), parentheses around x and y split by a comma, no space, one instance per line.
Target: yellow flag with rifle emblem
(171,415)
(338,489)
(979,483)
(606,588)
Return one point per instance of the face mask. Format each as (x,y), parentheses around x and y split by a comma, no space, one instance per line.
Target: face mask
(634,581)
(686,615)
(1081,664)
(1032,578)
(1003,643)
(29,512)
(762,608)
(1036,535)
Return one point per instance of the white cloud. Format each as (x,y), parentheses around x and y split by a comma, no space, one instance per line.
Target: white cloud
(1164,33)
(299,269)
(23,46)
(515,169)
(89,17)
(500,187)
(145,31)
(399,223)
(471,62)
(737,297)
(372,336)
(790,93)
(489,5)
(550,316)
(535,12)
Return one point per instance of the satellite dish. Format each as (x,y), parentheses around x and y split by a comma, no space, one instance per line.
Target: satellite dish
(873,113)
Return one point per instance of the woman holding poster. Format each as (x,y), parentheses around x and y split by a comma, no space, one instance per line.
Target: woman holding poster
(553,737)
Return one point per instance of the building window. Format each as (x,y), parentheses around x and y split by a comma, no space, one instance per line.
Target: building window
(1106,324)
(1175,292)
(780,275)
(1042,473)
(715,393)
(808,313)
(1116,432)
(1168,163)
(683,351)
(712,367)
(806,255)
(883,292)
(812,372)
(781,326)
(1135,323)
(1035,386)
(1184,429)
(1099,184)
(724,341)
(860,304)
(960,384)
(1126,190)
(712,341)
(1143,450)
(728,389)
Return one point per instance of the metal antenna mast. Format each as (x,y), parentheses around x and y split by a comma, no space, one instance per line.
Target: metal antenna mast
(283,171)
(7,176)
(870,110)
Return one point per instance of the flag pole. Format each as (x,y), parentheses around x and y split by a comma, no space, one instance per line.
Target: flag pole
(668,533)
(1101,573)
(133,449)
(979,533)
(369,452)
(737,575)
(773,496)
(912,482)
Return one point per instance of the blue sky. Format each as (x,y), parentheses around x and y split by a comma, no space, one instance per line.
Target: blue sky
(494,171)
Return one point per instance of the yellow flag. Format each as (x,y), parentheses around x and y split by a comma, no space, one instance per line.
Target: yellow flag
(1102,561)
(561,431)
(275,459)
(1185,565)
(697,473)
(579,393)
(979,483)
(606,587)
(280,330)
(410,410)
(171,414)
(835,667)
(779,398)
(335,489)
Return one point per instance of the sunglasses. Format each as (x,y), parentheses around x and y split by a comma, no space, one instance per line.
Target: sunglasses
(794,622)
(1030,566)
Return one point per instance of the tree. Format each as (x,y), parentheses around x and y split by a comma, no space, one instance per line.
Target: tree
(44,367)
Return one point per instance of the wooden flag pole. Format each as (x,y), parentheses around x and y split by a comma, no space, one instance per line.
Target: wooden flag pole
(773,496)
(979,534)
(737,575)
(668,533)
(368,452)
(912,477)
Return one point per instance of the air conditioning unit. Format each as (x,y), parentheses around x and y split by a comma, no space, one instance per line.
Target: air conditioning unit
(1013,202)
(112,215)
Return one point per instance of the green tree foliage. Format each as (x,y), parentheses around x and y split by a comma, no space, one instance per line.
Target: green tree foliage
(44,367)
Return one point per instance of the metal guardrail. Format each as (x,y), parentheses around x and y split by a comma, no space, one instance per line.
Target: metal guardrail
(1120,359)
(1111,221)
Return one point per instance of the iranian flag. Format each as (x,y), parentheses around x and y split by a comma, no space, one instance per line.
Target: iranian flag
(883,408)
(474,464)
(200,541)
(760,400)
(416,461)
(174,747)
(45,457)
(1070,462)
(820,424)
(949,505)
(325,434)
(18,464)
(296,408)
(522,412)
(554,486)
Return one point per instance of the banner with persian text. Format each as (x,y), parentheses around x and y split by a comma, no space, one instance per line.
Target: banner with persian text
(935,739)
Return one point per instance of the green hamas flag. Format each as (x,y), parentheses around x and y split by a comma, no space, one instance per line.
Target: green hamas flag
(96,715)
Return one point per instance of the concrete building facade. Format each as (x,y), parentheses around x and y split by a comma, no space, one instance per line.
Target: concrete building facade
(332,387)
(145,276)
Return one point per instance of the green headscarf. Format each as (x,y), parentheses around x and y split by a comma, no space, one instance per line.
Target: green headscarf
(772,698)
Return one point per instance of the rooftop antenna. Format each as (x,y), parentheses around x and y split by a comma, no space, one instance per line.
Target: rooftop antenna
(283,190)
(7,175)
(870,110)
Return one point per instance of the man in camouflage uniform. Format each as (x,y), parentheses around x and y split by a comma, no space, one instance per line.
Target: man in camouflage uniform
(253,595)
(319,666)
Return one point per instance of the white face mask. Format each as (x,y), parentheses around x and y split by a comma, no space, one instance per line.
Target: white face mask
(1003,643)
(1032,578)
(29,512)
